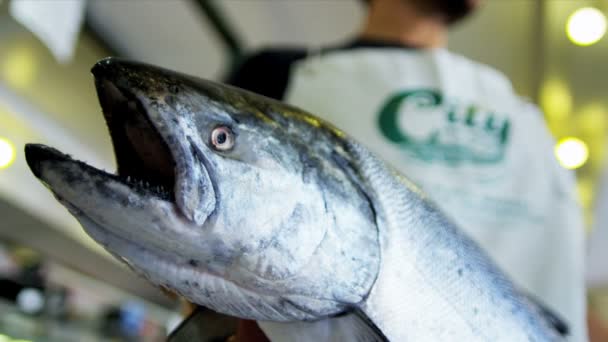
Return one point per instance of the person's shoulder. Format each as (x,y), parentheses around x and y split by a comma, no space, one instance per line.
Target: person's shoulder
(271,58)
(266,71)
(489,76)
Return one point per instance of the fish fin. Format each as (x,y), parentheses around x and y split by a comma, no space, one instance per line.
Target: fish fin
(369,330)
(204,325)
(352,325)
(552,318)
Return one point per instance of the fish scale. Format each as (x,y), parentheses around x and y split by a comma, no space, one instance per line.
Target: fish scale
(417,297)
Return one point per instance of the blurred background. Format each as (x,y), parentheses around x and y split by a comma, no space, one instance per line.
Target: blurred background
(57,285)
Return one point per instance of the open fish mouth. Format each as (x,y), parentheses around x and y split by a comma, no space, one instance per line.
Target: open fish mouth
(144,160)
(143,157)
(158,149)
(38,155)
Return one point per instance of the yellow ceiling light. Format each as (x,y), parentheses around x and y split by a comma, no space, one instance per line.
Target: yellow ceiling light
(7,153)
(19,67)
(586,26)
(571,152)
(555,99)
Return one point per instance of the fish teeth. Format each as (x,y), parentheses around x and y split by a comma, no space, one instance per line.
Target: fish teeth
(159,189)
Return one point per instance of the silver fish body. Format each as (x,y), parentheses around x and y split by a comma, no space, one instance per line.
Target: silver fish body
(259,210)
(434,283)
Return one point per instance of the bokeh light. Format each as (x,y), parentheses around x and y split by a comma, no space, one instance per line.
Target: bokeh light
(30,300)
(571,152)
(19,67)
(586,26)
(592,120)
(555,99)
(7,153)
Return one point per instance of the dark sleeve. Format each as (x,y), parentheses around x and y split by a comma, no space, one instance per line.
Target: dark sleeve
(266,72)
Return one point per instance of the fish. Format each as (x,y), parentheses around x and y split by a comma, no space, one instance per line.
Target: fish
(259,210)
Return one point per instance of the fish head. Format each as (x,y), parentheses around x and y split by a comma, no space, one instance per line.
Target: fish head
(220,195)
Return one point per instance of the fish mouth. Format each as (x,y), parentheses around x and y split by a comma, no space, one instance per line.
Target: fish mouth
(157,147)
(143,158)
(38,155)
(145,163)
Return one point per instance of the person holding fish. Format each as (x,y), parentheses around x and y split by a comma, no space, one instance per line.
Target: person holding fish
(456,128)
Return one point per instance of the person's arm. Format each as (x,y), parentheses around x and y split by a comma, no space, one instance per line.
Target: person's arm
(598,328)
(248,331)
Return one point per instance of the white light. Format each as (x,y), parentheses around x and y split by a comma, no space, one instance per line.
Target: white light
(586,26)
(30,300)
(571,152)
(7,153)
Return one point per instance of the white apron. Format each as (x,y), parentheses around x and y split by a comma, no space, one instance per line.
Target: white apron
(457,129)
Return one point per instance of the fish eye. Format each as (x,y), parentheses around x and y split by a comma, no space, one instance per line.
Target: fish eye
(222,138)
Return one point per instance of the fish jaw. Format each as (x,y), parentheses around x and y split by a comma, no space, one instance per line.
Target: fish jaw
(136,211)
